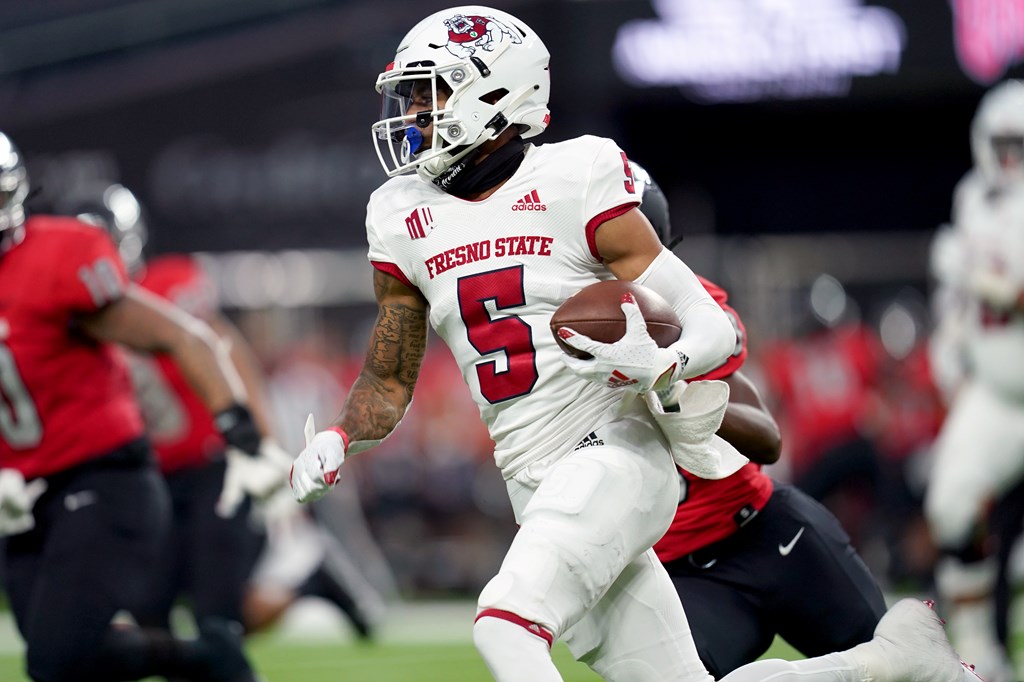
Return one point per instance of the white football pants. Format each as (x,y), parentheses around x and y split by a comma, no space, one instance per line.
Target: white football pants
(979,454)
(581,564)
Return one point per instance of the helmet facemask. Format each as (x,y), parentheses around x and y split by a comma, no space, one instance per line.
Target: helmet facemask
(406,141)
(477,84)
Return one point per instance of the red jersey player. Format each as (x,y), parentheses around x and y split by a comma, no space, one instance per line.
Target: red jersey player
(71,435)
(210,556)
(752,558)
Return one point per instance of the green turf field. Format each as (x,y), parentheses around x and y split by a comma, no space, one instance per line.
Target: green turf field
(285,661)
(418,642)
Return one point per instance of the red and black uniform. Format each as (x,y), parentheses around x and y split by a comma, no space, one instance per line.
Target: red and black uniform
(68,415)
(208,558)
(189,438)
(752,558)
(66,398)
(709,510)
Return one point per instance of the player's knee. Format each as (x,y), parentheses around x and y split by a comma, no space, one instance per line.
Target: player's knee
(497,632)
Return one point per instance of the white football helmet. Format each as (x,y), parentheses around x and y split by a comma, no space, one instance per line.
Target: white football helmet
(496,68)
(13,185)
(997,134)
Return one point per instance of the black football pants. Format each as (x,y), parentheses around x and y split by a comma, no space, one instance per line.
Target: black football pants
(790,571)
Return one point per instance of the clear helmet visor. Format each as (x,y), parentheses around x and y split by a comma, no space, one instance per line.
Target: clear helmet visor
(405,135)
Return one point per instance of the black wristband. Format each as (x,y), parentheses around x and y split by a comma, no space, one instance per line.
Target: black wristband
(237,427)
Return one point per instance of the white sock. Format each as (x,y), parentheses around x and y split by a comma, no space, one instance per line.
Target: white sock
(512,653)
(830,668)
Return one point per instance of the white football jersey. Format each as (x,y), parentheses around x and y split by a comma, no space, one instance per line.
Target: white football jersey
(495,270)
(991,236)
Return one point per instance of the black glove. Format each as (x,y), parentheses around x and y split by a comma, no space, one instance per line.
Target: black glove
(239,430)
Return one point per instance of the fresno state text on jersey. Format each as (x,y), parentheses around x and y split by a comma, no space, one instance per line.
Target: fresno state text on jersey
(493,273)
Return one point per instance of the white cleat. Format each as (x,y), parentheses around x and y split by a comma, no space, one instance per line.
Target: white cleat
(910,645)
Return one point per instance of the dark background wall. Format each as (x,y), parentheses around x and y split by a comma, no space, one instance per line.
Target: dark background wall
(246,125)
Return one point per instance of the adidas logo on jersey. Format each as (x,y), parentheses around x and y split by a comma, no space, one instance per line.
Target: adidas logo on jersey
(589,441)
(531,202)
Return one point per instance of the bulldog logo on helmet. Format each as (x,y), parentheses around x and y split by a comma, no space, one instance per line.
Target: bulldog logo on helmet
(467,33)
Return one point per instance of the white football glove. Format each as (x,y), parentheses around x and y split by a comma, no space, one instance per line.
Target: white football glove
(256,476)
(315,470)
(16,501)
(634,361)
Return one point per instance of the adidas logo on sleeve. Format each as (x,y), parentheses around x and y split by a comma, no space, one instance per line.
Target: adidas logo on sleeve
(530,202)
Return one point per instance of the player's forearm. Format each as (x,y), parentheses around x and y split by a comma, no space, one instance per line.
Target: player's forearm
(250,371)
(753,432)
(380,396)
(707,339)
(708,336)
(373,409)
(144,322)
(205,362)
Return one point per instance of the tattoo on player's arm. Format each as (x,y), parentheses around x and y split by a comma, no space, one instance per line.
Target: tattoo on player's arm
(398,344)
(370,413)
(384,388)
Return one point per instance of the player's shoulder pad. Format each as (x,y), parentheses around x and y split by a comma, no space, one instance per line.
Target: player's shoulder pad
(400,186)
(400,194)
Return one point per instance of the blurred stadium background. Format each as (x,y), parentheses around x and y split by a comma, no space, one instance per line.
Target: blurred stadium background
(809,149)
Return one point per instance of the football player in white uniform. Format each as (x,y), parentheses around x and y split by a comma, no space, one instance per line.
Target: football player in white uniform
(977,348)
(485,239)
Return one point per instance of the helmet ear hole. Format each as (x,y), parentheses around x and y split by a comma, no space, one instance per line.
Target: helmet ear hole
(493,96)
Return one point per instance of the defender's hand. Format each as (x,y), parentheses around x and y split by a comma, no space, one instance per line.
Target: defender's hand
(238,428)
(315,470)
(634,361)
(257,476)
(16,501)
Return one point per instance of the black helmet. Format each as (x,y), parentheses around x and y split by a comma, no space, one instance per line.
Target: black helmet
(655,204)
(115,209)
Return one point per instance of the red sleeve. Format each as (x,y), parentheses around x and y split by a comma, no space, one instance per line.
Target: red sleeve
(90,274)
(394,271)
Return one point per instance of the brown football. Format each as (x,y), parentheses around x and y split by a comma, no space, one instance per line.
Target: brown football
(595,311)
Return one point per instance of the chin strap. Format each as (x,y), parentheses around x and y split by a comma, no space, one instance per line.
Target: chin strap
(467,177)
